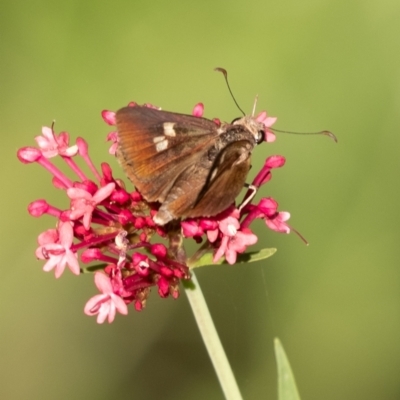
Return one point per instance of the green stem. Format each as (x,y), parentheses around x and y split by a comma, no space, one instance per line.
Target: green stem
(212,341)
(204,248)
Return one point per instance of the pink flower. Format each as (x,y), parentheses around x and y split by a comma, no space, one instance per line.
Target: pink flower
(275,220)
(106,304)
(113,137)
(198,110)
(55,246)
(265,174)
(268,122)
(83,203)
(233,241)
(191,228)
(278,223)
(52,145)
(141,264)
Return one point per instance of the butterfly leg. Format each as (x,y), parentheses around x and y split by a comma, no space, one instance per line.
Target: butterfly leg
(252,191)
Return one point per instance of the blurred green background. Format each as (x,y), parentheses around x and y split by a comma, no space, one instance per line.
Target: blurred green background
(335,304)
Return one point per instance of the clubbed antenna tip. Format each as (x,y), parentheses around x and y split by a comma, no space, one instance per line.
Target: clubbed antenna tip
(330,134)
(225,73)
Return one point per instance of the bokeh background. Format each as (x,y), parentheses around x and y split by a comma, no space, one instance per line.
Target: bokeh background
(335,304)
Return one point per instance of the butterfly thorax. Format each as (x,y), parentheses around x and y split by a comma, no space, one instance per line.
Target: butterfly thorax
(230,133)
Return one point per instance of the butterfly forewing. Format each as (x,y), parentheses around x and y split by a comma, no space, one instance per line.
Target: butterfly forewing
(154,143)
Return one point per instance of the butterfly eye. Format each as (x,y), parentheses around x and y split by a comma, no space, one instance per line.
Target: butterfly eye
(260,137)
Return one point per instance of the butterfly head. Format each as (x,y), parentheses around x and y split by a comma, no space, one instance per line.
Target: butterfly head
(256,128)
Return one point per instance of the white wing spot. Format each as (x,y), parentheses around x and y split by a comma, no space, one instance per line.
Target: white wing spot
(169,129)
(160,146)
(158,139)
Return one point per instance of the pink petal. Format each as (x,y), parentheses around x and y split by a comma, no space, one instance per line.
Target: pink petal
(51,263)
(191,228)
(63,138)
(230,256)
(103,192)
(269,121)
(83,146)
(48,134)
(269,137)
(72,261)
(277,224)
(87,218)
(112,136)
(108,117)
(261,116)
(49,236)
(111,312)
(120,304)
(244,239)
(42,142)
(103,282)
(77,193)
(60,267)
(284,215)
(103,313)
(113,149)
(66,234)
(222,248)
(92,306)
(212,236)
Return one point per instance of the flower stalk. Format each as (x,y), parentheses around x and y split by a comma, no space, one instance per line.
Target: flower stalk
(212,341)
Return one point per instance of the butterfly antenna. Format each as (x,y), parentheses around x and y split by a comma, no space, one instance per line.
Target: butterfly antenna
(230,91)
(254,106)
(326,133)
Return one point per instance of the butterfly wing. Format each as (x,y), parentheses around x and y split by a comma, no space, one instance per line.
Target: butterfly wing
(156,147)
(227,179)
(207,194)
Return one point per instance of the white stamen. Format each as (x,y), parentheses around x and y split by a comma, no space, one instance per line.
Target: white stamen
(143,264)
(232,230)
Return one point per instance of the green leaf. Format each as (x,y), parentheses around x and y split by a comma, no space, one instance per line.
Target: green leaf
(93,268)
(287,389)
(252,256)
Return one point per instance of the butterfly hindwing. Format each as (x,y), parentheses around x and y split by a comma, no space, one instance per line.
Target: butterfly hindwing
(209,186)
(226,180)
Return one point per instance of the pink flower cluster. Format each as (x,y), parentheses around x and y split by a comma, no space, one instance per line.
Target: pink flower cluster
(107,225)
